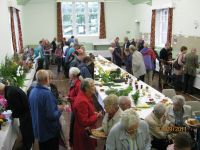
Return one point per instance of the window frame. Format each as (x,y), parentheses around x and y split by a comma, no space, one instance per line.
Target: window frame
(87,24)
(160,22)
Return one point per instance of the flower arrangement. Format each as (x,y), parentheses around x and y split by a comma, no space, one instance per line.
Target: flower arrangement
(3,104)
(12,72)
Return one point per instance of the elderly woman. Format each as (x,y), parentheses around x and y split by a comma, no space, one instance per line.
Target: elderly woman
(138,66)
(75,82)
(124,102)
(113,113)
(130,133)
(179,70)
(85,116)
(178,112)
(157,123)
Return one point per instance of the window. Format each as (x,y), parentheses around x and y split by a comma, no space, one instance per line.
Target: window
(161,27)
(80,18)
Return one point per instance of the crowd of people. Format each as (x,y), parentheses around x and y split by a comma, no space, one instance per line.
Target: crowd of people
(139,59)
(39,112)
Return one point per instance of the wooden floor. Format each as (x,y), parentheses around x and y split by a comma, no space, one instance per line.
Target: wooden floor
(62,85)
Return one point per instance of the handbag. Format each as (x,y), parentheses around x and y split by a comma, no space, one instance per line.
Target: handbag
(176,64)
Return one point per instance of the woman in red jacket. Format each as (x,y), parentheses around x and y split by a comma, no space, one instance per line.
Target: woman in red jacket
(85,116)
(75,82)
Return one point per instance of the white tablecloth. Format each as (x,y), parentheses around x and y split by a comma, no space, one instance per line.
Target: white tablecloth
(151,93)
(10,132)
(197,81)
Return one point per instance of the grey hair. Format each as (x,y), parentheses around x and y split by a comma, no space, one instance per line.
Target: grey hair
(179,99)
(74,71)
(111,100)
(132,48)
(159,109)
(2,87)
(42,75)
(129,118)
(123,99)
(85,84)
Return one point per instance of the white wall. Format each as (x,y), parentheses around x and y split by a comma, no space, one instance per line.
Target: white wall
(5,31)
(39,19)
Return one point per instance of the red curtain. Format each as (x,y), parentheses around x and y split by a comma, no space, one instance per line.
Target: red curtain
(102,34)
(170,21)
(153,28)
(59,22)
(20,32)
(13,30)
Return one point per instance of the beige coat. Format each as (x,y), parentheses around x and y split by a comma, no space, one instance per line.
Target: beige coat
(171,117)
(181,60)
(107,125)
(138,66)
(156,125)
(191,63)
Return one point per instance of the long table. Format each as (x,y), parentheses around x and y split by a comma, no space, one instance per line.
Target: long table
(10,132)
(151,93)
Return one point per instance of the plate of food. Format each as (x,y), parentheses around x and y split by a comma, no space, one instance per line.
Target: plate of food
(145,105)
(151,102)
(192,122)
(98,133)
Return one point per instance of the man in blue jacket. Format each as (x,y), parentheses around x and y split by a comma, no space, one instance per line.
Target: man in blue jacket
(45,113)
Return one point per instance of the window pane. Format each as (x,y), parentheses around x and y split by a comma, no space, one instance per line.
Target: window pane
(67,19)
(93,18)
(93,29)
(80,7)
(67,7)
(80,19)
(93,7)
(81,29)
(68,30)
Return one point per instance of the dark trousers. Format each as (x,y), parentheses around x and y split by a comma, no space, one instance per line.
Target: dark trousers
(59,63)
(47,61)
(188,83)
(141,78)
(178,82)
(40,63)
(51,144)
(71,131)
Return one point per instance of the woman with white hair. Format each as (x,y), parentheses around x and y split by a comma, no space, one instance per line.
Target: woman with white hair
(157,123)
(113,113)
(75,83)
(85,116)
(178,112)
(130,133)
(138,67)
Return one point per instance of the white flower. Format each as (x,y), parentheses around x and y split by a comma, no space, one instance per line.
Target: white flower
(18,74)
(21,72)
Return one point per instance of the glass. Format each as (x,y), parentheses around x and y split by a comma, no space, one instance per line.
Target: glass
(80,19)
(68,30)
(93,19)
(81,29)
(67,20)
(93,29)
(93,7)
(80,7)
(67,7)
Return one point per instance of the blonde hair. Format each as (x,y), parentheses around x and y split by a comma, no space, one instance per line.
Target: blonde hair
(42,75)
(129,118)
(50,74)
(111,101)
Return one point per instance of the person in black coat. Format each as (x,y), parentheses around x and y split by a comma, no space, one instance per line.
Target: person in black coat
(18,104)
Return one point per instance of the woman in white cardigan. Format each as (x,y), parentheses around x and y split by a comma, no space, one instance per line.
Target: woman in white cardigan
(138,66)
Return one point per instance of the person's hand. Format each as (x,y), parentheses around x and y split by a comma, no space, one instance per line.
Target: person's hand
(61,108)
(99,114)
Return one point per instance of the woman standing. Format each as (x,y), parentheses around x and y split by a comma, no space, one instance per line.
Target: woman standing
(85,116)
(178,69)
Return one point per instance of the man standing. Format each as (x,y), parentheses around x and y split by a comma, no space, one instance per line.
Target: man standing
(45,113)
(54,46)
(18,104)
(191,64)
